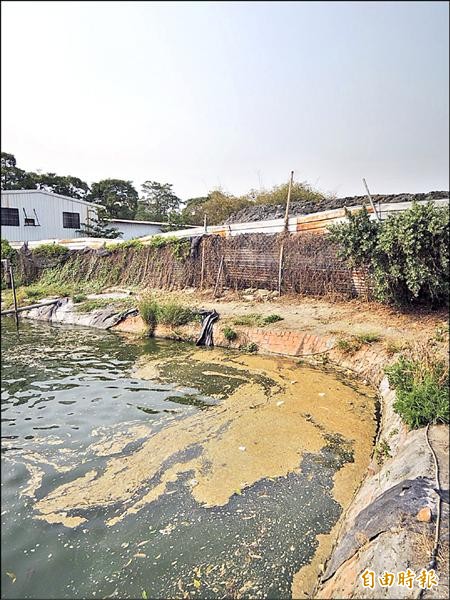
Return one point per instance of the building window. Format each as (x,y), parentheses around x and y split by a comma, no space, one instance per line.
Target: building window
(71,220)
(29,221)
(10,216)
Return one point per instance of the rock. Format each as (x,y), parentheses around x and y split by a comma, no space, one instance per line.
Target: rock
(424,515)
(248,298)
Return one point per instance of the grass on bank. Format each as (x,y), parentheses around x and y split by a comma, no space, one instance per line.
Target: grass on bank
(171,313)
(256,320)
(421,384)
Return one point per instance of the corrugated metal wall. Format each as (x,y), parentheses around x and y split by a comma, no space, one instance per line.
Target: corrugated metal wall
(45,208)
(135,230)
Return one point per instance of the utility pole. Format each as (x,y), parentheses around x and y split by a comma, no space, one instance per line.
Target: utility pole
(286,216)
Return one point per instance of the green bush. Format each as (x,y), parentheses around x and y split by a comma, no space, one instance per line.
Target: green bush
(407,255)
(124,245)
(148,309)
(422,391)
(174,314)
(229,334)
(368,338)
(251,348)
(50,251)
(272,319)
(167,313)
(77,298)
(7,251)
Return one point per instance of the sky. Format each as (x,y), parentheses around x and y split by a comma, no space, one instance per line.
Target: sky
(230,94)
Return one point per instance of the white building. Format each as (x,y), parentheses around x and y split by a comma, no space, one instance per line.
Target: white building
(35,215)
(134,229)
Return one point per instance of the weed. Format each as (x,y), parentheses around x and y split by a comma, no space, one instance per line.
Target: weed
(87,306)
(229,334)
(251,348)
(148,309)
(349,346)
(272,319)
(50,251)
(175,314)
(124,245)
(368,338)
(382,452)
(421,385)
(393,348)
(77,298)
(256,320)
(169,313)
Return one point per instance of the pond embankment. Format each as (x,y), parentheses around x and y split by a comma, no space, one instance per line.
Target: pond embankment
(391,521)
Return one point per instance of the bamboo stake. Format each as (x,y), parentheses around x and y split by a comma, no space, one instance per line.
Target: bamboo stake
(29,307)
(13,287)
(377,216)
(219,273)
(280,268)
(203,265)
(286,216)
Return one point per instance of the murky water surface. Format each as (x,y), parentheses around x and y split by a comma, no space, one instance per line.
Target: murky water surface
(143,468)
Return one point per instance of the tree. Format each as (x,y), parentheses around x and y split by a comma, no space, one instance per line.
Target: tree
(99,227)
(158,202)
(66,185)
(13,178)
(278,194)
(117,196)
(217,207)
(194,210)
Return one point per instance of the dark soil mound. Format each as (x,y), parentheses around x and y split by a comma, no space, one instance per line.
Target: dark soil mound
(263,212)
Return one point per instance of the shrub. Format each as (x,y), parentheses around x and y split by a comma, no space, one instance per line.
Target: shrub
(349,346)
(229,334)
(77,298)
(251,348)
(407,255)
(169,313)
(421,387)
(175,314)
(272,319)
(50,251)
(124,245)
(7,251)
(368,338)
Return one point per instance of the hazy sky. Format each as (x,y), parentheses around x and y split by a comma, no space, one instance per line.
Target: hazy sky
(234,94)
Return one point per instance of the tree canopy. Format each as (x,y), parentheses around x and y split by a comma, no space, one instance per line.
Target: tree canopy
(119,197)
(158,202)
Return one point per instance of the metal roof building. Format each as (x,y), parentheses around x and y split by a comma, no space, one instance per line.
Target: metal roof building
(35,215)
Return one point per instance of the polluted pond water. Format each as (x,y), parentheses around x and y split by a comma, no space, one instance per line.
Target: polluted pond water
(141,468)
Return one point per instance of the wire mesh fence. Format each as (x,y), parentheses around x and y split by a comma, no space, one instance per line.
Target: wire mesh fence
(305,264)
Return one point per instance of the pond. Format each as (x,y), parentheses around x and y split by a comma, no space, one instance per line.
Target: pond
(137,468)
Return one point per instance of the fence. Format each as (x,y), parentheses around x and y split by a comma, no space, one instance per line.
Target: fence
(304,264)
